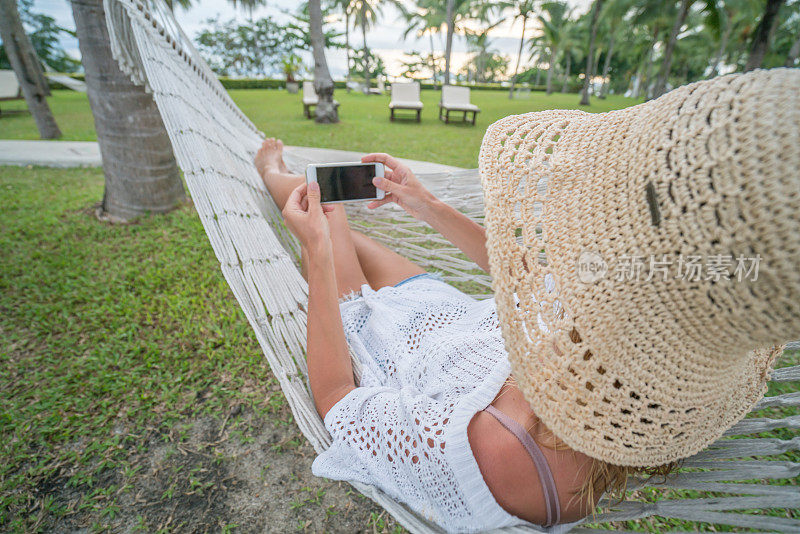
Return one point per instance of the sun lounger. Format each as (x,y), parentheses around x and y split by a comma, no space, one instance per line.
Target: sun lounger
(378,90)
(9,86)
(311,99)
(456,98)
(405,95)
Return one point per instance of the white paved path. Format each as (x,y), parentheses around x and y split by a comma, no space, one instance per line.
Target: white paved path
(87,154)
(50,153)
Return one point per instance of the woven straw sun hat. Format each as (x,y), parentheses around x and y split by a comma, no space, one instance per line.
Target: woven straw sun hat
(644,261)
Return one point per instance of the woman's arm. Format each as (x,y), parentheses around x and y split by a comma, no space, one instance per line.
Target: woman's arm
(460,230)
(402,187)
(330,371)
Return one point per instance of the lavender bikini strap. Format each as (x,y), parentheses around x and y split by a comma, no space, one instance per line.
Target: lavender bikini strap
(542,468)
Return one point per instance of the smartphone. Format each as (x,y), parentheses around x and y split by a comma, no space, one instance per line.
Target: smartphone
(345,182)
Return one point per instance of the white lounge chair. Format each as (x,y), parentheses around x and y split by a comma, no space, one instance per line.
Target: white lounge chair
(9,86)
(353,86)
(378,90)
(456,98)
(311,99)
(405,95)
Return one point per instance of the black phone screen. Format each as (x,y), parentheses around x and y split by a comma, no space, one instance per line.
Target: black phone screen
(348,182)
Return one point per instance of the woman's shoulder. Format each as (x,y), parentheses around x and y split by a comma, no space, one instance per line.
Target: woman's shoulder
(512,477)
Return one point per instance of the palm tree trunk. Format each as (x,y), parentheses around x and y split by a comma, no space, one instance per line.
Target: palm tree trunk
(519,57)
(24,65)
(27,54)
(366,55)
(449,46)
(607,65)
(649,64)
(325,111)
(723,43)
(567,73)
(551,70)
(538,75)
(794,52)
(433,58)
(637,83)
(590,57)
(763,36)
(666,62)
(347,46)
(141,175)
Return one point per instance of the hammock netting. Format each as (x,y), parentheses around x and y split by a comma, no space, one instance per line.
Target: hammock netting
(214,143)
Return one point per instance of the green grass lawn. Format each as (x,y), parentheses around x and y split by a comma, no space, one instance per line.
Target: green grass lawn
(364,126)
(132,388)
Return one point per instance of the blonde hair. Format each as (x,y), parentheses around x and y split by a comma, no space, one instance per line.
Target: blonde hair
(603,476)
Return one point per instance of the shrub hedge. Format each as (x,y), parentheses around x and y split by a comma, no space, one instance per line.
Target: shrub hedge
(272,83)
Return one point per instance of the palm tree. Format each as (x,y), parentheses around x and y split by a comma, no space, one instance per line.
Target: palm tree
(346,8)
(555,21)
(460,11)
(568,45)
(26,67)
(666,61)
(141,175)
(366,14)
(652,16)
(719,23)
(598,5)
(25,50)
(523,9)
(611,15)
(424,18)
(451,23)
(538,50)
(140,171)
(325,111)
(764,32)
(478,44)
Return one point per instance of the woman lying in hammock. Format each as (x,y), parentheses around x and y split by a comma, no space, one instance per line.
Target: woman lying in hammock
(623,377)
(426,348)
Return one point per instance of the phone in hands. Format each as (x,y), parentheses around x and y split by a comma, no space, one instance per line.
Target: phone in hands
(346,182)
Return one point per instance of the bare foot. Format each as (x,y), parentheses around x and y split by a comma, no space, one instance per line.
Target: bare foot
(270,157)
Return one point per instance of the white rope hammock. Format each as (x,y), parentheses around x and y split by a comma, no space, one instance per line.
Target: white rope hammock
(214,143)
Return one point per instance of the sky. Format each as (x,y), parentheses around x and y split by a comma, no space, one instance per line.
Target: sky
(385,39)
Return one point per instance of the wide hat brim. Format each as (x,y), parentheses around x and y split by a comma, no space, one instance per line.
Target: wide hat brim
(642,372)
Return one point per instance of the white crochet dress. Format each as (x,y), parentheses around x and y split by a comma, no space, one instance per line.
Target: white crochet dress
(433,357)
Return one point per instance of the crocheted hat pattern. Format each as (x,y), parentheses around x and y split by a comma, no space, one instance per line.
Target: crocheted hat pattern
(644,370)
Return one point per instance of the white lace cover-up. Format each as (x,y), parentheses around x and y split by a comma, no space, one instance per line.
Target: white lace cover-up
(432,357)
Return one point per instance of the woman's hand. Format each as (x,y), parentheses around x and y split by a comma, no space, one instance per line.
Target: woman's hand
(305,217)
(401,187)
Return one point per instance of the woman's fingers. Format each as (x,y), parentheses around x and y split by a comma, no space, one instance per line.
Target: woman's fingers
(384,158)
(378,203)
(386,185)
(296,197)
(313,196)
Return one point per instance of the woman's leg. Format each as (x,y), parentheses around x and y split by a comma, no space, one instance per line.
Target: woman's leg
(280,183)
(381,265)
